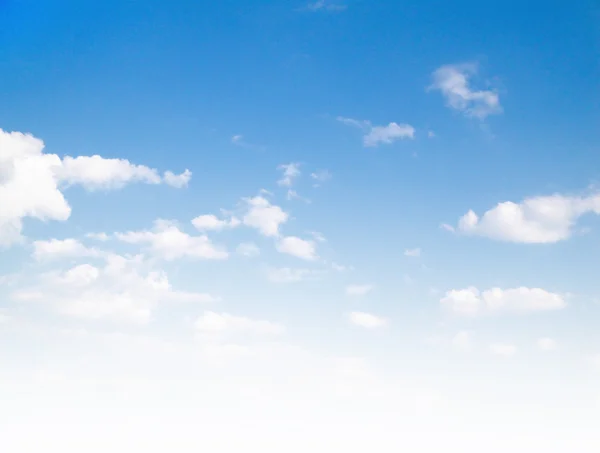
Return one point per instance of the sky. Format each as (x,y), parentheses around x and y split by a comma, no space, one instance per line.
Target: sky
(334,225)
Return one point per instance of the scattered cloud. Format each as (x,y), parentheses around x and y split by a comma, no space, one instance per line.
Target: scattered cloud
(210,222)
(536,220)
(31,181)
(358,290)
(291,172)
(248,249)
(102,237)
(177,181)
(547,344)
(367,320)
(168,242)
(61,248)
(430,134)
(413,253)
(377,135)
(472,302)
(123,289)
(325,5)
(297,247)
(320,176)
(454,82)
(293,195)
(288,275)
(264,216)
(503,349)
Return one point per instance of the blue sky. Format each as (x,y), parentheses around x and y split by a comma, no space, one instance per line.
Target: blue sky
(394,203)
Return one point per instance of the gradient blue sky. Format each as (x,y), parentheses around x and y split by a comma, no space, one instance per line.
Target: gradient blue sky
(231,91)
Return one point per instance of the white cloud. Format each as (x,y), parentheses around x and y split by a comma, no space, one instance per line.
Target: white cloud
(293,195)
(358,290)
(320,176)
(61,248)
(124,289)
(264,216)
(291,172)
(209,222)
(367,320)
(471,302)
(248,249)
(453,81)
(546,344)
(414,253)
(177,181)
(225,323)
(544,219)
(503,349)
(95,172)
(297,247)
(237,139)
(376,135)
(288,275)
(167,241)
(30,181)
(325,5)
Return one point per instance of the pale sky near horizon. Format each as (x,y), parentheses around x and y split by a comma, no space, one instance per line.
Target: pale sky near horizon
(288,226)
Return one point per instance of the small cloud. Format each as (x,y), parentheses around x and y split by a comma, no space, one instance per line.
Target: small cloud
(177,181)
(320,176)
(454,82)
(103,237)
(377,135)
(239,140)
(358,290)
(298,247)
(291,172)
(288,275)
(414,253)
(430,134)
(445,226)
(367,320)
(325,5)
(293,195)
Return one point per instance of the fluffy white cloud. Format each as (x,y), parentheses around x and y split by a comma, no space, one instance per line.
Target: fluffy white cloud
(414,253)
(167,241)
(264,216)
(225,323)
(248,249)
(288,275)
(96,172)
(503,349)
(547,344)
(297,247)
(471,302)
(123,289)
(30,181)
(376,135)
(61,248)
(177,181)
(453,81)
(542,219)
(367,320)
(358,290)
(291,172)
(212,222)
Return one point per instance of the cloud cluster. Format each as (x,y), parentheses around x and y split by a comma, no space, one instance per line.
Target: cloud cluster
(31,181)
(472,302)
(544,219)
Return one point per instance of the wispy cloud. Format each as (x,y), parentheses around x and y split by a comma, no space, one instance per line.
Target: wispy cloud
(454,82)
(325,6)
(377,135)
